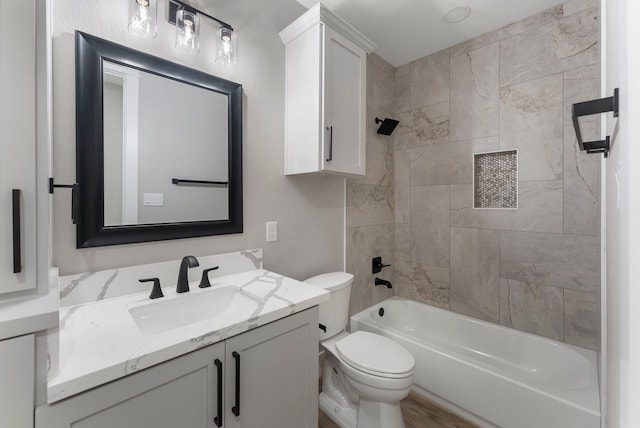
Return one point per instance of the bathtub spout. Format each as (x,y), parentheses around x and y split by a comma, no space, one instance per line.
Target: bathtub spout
(379,281)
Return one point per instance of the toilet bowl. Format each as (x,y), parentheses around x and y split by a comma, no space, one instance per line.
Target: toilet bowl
(364,375)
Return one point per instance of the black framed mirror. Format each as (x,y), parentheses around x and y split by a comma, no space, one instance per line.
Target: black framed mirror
(158,148)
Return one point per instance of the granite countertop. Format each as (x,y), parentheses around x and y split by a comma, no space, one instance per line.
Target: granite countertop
(101,342)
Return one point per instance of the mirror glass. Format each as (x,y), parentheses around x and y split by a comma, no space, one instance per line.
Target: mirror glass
(165,149)
(158,148)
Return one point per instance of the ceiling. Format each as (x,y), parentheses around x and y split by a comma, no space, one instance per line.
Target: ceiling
(405,30)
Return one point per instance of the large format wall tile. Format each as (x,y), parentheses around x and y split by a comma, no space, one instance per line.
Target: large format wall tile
(544,17)
(369,205)
(563,45)
(474,94)
(364,243)
(429,239)
(402,86)
(425,284)
(379,160)
(447,163)
(475,284)
(581,183)
(567,261)
(402,186)
(539,208)
(380,84)
(581,84)
(531,121)
(423,126)
(429,82)
(533,308)
(582,319)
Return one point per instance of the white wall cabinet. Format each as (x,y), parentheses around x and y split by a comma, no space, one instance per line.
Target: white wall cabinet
(16,387)
(268,376)
(17,145)
(325,101)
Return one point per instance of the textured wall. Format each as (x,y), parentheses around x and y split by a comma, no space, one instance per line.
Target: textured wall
(309,210)
(535,268)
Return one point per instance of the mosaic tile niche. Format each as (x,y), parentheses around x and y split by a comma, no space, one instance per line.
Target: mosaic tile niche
(496,180)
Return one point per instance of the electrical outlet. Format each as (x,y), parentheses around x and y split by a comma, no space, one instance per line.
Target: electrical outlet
(272,231)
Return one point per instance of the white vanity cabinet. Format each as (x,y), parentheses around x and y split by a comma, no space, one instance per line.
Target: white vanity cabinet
(276,376)
(325,101)
(17,145)
(17,380)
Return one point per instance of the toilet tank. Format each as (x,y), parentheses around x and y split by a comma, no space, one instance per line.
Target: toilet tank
(334,314)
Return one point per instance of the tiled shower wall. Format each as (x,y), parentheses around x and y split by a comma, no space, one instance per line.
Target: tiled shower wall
(370,224)
(536,268)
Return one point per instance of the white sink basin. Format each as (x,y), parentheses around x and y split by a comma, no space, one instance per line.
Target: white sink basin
(227,306)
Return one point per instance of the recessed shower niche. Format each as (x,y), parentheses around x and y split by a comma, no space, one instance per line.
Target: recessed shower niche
(495,179)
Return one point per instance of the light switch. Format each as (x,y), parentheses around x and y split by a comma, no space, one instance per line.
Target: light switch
(153,199)
(272,231)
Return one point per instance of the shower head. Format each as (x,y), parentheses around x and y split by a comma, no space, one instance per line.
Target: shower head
(387,127)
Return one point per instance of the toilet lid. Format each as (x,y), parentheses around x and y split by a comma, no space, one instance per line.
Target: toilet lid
(375,354)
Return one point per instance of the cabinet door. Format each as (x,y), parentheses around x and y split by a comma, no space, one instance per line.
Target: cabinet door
(17,144)
(179,393)
(345,66)
(278,375)
(16,388)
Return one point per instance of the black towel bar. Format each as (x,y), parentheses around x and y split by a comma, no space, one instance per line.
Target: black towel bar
(587,108)
(179,181)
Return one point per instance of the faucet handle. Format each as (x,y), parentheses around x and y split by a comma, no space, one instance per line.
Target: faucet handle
(204,282)
(156,291)
(377,265)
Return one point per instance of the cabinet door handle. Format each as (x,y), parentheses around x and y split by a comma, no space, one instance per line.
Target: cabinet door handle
(330,158)
(236,409)
(218,419)
(17,248)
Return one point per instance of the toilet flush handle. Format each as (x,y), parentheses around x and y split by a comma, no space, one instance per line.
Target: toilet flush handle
(323,327)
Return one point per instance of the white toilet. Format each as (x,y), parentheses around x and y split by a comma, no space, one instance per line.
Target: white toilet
(364,375)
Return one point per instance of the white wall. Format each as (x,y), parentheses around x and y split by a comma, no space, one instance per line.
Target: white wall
(309,210)
(622,216)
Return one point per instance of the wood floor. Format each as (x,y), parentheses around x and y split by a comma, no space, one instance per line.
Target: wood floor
(418,412)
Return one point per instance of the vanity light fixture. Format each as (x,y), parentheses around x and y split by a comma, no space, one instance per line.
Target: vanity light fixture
(142,18)
(227,43)
(187,31)
(186,19)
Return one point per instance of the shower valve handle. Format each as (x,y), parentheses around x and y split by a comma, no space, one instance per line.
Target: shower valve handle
(377,265)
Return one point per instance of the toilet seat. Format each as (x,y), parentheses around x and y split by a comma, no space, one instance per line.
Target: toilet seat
(376,355)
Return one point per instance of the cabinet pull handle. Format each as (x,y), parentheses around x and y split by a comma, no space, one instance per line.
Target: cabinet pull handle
(236,409)
(17,248)
(330,158)
(218,419)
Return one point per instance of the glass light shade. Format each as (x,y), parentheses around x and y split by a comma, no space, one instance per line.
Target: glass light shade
(227,46)
(143,18)
(187,31)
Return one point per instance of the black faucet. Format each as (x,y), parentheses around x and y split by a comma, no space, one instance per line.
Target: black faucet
(383,282)
(183,277)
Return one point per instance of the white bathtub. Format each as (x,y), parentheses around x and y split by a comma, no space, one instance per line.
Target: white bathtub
(493,375)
